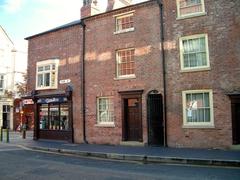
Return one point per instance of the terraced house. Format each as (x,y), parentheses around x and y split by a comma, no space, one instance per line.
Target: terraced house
(157,72)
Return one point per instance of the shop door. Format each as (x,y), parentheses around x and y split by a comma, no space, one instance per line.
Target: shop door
(155,119)
(133,119)
(6,116)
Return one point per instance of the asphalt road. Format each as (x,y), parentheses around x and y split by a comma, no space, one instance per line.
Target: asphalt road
(22,164)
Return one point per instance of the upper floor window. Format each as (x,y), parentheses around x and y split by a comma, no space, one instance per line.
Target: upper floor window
(1,82)
(125,63)
(47,73)
(188,8)
(194,52)
(124,23)
(197,108)
(105,115)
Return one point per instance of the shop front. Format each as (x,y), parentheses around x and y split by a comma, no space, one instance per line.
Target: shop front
(53,115)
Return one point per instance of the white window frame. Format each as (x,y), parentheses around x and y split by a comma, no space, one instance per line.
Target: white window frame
(187,124)
(3,81)
(190,14)
(108,123)
(45,63)
(120,16)
(128,76)
(197,68)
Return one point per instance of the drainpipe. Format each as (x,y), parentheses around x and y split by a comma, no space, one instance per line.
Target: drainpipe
(83,82)
(164,71)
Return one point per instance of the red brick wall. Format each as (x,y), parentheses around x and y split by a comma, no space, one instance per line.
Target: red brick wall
(101,46)
(65,45)
(222,26)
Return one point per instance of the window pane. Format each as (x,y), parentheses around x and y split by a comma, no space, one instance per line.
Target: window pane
(43,117)
(47,79)
(54,117)
(40,80)
(64,119)
(40,68)
(206,100)
(47,68)
(207,115)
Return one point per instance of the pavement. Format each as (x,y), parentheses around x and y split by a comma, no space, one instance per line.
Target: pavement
(212,157)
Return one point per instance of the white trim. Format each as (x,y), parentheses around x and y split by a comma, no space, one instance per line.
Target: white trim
(191,14)
(197,68)
(124,30)
(45,63)
(198,124)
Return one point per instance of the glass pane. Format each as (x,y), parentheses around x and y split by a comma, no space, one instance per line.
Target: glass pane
(207,115)
(40,80)
(43,117)
(47,68)
(192,60)
(54,117)
(47,79)
(64,119)
(40,68)
(202,44)
(200,114)
(206,100)
(199,98)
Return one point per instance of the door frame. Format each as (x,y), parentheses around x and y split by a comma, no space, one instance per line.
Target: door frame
(235,99)
(137,94)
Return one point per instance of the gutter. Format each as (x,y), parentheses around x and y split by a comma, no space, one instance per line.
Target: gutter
(164,71)
(83,82)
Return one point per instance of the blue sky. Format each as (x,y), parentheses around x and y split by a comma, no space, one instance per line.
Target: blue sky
(22,18)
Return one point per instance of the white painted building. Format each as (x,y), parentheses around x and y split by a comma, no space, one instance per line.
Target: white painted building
(13,65)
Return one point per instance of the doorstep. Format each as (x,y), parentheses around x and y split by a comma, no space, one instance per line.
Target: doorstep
(235,147)
(132,143)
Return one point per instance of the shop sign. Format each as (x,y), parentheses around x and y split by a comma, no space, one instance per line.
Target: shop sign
(52,100)
(28,101)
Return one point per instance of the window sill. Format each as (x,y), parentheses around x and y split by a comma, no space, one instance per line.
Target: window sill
(105,125)
(124,31)
(198,126)
(195,69)
(125,77)
(192,15)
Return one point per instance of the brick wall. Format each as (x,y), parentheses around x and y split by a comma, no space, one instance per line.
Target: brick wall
(64,44)
(101,46)
(221,23)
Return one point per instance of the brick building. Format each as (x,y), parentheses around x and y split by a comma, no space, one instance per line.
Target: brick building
(147,73)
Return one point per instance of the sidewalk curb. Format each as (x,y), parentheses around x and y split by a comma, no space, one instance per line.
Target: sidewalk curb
(142,158)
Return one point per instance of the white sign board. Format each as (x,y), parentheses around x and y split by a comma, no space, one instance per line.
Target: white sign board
(65,81)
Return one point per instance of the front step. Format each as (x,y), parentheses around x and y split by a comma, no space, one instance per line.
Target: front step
(235,147)
(132,143)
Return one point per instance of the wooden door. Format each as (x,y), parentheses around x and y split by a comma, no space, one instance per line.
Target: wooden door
(237,124)
(134,126)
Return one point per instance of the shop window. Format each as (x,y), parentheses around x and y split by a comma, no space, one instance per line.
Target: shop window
(47,72)
(54,117)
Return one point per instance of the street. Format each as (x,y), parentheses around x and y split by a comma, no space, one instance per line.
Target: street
(19,163)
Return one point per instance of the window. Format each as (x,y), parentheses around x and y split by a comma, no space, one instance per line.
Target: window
(105,111)
(194,52)
(47,72)
(1,82)
(53,117)
(190,8)
(198,108)
(124,23)
(125,63)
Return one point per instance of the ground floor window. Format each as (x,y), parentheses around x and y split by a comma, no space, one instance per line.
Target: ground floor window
(198,108)
(54,116)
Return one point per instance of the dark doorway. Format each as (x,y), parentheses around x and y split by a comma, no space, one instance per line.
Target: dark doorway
(6,116)
(235,104)
(155,119)
(132,115)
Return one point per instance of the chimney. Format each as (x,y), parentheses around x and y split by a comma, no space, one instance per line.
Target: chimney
(115,4)
(89,8)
